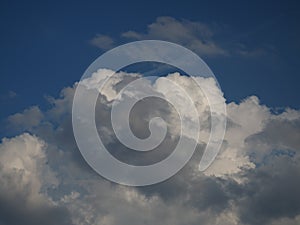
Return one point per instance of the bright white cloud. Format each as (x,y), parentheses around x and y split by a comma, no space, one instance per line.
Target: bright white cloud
(223,195)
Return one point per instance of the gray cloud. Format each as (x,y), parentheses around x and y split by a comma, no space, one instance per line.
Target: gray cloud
(102,41)
(200,37)
(196,36)
(23,176)
(28,118)
(254,180)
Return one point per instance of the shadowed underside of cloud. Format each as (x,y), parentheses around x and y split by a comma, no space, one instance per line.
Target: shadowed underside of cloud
(254,180)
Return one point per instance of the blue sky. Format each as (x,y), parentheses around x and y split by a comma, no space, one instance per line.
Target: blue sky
(45,44)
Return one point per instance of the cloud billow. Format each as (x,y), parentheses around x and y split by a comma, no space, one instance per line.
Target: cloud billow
(254,180)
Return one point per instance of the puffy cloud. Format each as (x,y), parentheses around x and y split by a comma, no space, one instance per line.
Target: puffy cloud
(254,180)
(21,156)
(23,176)
(28,118)
(245,119)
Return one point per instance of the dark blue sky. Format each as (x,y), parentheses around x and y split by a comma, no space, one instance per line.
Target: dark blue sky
(45,44)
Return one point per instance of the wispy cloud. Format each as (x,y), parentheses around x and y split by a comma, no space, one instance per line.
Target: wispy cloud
(103,42)
(194,35)
(204,39)
(197,36)
(8,95)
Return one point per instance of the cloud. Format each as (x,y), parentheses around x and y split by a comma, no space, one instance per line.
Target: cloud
(103,42)
(196,36)
(8,95)
(254,180)
(193,35)
(23,175)
(28,118)
(202,38)
(247,52)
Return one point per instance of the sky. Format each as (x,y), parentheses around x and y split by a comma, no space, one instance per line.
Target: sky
(48,43)
(251,46)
